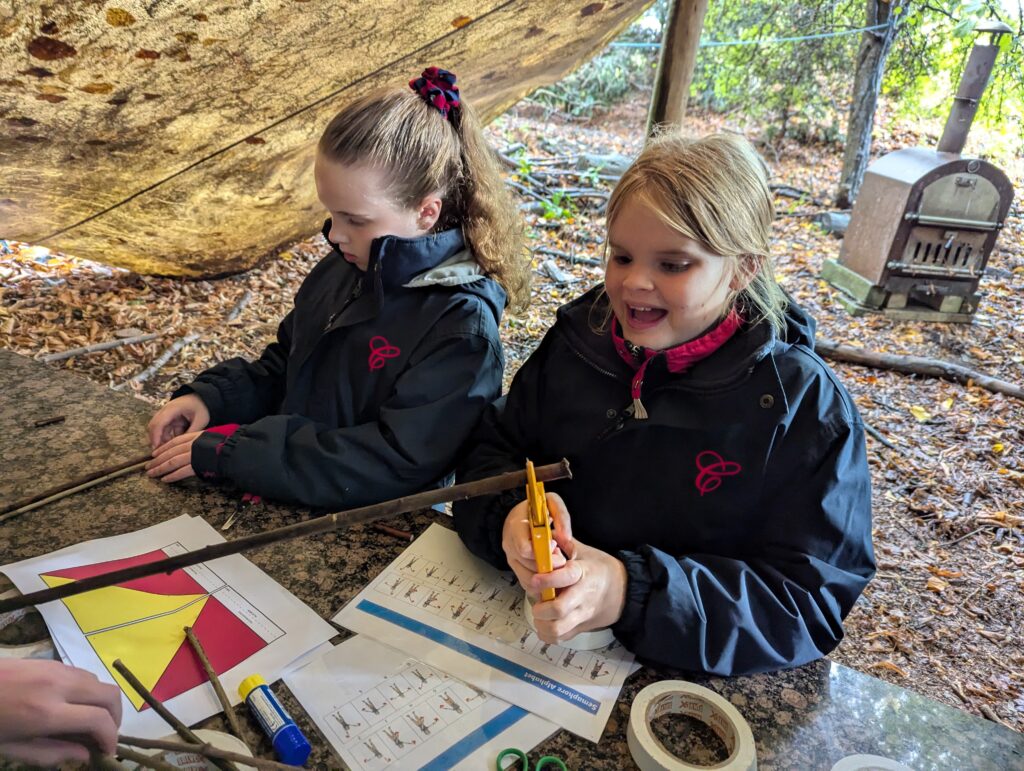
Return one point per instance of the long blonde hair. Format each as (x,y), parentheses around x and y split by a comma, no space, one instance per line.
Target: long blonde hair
(422,152)
(715,191)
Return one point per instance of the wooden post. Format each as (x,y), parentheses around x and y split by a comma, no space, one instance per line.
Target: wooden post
(679,44)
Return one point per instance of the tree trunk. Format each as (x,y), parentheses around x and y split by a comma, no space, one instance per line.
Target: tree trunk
(874,48)
(679,44)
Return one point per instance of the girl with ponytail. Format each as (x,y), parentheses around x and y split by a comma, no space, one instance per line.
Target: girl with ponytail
(391,353)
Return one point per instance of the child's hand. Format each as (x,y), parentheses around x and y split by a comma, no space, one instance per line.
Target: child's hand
(172,461)
(186,413)
(49,711)
(592,594)
(518,545)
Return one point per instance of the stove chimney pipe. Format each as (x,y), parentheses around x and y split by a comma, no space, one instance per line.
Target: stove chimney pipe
(972,86)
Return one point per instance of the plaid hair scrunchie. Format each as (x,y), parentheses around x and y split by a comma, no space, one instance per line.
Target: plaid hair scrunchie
(438,89)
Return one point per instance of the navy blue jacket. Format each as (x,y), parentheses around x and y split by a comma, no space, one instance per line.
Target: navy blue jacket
(375,380)
(741,507)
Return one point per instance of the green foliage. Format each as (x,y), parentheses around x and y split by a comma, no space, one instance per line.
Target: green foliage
(609,77)
(925,67)
(560,207)
(797,88)
(803,88)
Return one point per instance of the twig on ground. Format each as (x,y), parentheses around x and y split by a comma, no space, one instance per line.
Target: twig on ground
(572,258)
(788,191)
(239,306)
(915,365)
(874,432)
(965,537)
(108,345)
(990,714)
(152,369)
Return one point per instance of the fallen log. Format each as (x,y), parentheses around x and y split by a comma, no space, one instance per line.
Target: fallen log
(915,365)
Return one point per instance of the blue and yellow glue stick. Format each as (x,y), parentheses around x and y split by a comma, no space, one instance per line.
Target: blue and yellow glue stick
(289,743)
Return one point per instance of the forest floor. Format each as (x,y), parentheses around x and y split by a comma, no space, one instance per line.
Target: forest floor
(940,616)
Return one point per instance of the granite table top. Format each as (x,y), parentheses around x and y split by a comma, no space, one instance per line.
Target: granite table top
(804,718)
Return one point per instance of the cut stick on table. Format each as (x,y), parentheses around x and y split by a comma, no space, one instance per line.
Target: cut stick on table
(206,750)
(337,521)
(211,673)
(158,706)
(38,500)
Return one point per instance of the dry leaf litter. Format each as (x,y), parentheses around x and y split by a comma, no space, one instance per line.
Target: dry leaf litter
(942,617)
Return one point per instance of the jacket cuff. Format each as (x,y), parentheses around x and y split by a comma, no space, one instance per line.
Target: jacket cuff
(206,450)
(638,589)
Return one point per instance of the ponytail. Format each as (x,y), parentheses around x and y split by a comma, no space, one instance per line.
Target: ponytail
(429,140)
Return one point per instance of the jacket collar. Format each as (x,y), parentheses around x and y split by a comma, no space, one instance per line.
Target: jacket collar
(394,261)
(585,325)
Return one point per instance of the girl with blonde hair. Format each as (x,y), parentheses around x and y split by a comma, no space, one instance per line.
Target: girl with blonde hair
(391,353)
(719,515)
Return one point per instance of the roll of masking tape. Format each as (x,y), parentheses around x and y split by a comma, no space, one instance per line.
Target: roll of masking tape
(584,641)
(681,698)
(869,763)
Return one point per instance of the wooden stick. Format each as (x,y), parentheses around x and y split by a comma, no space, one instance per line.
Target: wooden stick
(327,523)
(207,750)
(140,759)
(404,535)
(49,421)
(211,673)
(239,306)
(70,488)
(572,258)
(162,359)
(99,347)
(158,706)
(916,365)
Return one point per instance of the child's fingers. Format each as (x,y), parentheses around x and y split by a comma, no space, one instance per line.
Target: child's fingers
(562,530)
(559,578)
(173,445)
(183,473)
(169,462)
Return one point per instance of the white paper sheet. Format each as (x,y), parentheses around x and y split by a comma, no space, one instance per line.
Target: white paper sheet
(379,708)
(440,604)
(246,621)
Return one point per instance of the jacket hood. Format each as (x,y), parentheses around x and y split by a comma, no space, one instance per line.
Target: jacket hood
(800,326)
(578,322)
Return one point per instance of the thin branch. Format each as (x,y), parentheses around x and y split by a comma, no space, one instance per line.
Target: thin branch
(140,759)
(915,365)
(572,258)
(327,523)
(207,750)
(63,491)
(211,673)
(152,369)
(158,706)
(239,306)
(106,346)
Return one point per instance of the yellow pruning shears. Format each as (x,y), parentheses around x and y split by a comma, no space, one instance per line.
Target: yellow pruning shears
(540,526)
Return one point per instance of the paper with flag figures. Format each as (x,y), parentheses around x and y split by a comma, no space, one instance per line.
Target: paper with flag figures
(245,620)
(442,605)
(380,708)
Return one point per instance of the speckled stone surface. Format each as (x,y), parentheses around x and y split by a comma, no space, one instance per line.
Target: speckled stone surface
(806,718)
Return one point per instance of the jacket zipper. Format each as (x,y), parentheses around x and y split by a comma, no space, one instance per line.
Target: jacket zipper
(357,292)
